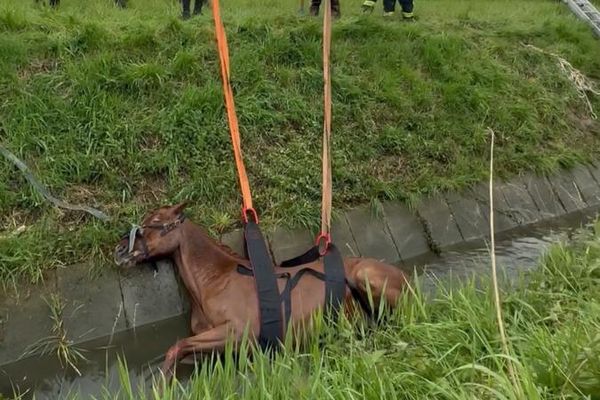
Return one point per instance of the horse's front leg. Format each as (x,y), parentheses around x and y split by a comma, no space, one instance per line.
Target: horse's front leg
(213,339)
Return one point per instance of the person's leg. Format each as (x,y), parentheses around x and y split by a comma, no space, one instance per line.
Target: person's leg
(198,7)
(389,6)
(314,7)
(185,5)
(335,9)
(407,8)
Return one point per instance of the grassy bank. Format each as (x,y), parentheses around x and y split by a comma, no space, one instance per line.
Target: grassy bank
(123,110)
(445,349)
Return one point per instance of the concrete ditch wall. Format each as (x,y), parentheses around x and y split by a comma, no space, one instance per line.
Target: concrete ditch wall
(99,304)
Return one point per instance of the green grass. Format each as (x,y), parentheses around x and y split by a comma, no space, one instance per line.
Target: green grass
(443,349)
(123,110)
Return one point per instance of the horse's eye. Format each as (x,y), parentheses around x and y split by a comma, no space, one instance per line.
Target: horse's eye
(155,220)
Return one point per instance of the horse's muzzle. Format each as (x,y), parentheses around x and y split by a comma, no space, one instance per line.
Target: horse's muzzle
(123,257)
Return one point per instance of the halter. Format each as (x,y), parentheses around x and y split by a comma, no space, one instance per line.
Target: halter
(137,231)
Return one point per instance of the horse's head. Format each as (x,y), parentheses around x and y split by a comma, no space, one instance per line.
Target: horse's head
(157,236)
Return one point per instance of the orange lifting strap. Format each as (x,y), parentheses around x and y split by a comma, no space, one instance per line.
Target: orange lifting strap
(234,129)
(326,157)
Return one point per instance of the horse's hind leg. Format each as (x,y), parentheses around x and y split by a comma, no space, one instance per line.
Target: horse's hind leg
(382,281)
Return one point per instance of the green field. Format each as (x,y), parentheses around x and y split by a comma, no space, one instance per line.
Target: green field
(123,110)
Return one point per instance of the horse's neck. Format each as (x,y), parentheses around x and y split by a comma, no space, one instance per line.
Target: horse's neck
(200,258)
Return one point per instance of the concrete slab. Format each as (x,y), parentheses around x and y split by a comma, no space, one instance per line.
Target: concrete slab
(407,230)
(470,216)
(342,237)
(502,217)
(522,208)
(440,221)
(548,204)
(567,191)
(26,319)
(286,244)
(150,297)
(594,169)
(93,302)
(235,240)
(372,238)
(588,186)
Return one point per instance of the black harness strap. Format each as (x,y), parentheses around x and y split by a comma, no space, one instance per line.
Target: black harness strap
(335,281)
(289,286)
(310,256)
(269,300)
(334,276)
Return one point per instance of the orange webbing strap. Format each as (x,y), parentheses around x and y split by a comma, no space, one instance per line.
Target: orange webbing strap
(326,158)
(231,114)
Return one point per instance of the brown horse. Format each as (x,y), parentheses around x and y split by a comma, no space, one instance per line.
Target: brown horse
(224,301)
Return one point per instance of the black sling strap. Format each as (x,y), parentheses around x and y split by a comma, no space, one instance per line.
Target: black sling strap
(271,325)
(269,298)
(335,280)
(335,275)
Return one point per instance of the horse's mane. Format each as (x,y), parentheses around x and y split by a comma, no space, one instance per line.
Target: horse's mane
(217,243)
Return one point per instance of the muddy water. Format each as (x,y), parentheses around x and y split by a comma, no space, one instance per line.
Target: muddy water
(44,377)
(517,252)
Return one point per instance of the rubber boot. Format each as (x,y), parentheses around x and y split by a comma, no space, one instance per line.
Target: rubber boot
(368,6)
(408,16)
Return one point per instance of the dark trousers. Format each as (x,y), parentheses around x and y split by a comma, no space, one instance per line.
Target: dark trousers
(186,7)
(390,5)
(55,3)
(316,4)
(52,3)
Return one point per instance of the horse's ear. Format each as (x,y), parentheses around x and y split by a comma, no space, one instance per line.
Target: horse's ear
(178,208)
